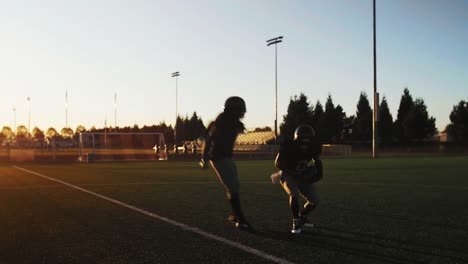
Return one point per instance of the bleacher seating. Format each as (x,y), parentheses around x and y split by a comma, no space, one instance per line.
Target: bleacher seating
(255,138)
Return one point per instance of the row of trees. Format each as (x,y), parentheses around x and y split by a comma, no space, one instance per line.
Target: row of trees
(187,130)
(22,134)
(412,124)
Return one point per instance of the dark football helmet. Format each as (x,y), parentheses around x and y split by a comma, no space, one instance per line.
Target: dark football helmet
(304,132)
(235,105)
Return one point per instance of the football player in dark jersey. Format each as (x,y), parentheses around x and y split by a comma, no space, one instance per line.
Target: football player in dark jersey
(219,144)
(300,167)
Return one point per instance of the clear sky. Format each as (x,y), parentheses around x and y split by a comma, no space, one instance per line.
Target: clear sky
(95,48)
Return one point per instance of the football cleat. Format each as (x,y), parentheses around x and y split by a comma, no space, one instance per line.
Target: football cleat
(296,226)
(305,222)
(243,225)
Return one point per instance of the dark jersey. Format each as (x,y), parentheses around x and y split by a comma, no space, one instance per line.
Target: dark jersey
(295,156)
(221,135)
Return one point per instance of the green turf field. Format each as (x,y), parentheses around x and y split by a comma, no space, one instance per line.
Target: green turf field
(389,210)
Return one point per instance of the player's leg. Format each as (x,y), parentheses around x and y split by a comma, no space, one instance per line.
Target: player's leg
(309,192)
(291,188)
(226,171)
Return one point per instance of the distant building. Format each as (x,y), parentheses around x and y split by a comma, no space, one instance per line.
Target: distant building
(443,137)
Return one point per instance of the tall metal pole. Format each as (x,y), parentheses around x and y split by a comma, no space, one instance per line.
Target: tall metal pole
(29,115)
(376,103)
(176,112)
(105,132)
(275,41)
(176,74)
(14,119)
(66,109)
(276,91)
(115,112)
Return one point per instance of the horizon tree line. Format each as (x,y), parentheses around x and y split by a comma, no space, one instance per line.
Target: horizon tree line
(413,124)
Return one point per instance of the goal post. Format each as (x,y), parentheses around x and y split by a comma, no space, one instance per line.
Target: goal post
(103,146)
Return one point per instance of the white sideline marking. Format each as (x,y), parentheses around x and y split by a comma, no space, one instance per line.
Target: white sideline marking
(160,183)
(38,186)
(167,220)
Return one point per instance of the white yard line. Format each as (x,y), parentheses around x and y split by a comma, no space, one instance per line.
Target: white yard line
(167,220)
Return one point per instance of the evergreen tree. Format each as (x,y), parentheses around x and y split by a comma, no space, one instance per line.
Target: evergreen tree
(458,127)
(195,127)
(340,123)
(298,113)
(348,126)
(418,125)
(330,127)
(180,129)
(317,113)
(385,123)
(362,130)
(318,122)
(333,122)
(406,104)
(189,129)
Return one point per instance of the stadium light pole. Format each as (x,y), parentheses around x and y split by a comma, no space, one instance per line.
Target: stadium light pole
(14,118)
(29,115)
(175,74)
(275,41)
(375,116)
(66,108)
(115,112)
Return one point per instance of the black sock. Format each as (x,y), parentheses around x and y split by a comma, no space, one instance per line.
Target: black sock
(294,204)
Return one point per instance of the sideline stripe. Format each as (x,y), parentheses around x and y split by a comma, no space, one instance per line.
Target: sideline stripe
(167,220)
(38,186)
(143,183)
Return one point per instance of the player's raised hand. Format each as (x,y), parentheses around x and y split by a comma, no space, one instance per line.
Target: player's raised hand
(275,177)
(202,164)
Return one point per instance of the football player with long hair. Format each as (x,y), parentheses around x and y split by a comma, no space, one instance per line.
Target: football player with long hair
(218,150)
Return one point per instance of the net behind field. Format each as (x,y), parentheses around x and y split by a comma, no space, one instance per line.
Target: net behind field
(122,146)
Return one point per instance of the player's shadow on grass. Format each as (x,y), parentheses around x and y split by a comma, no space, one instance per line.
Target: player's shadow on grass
(367,245)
